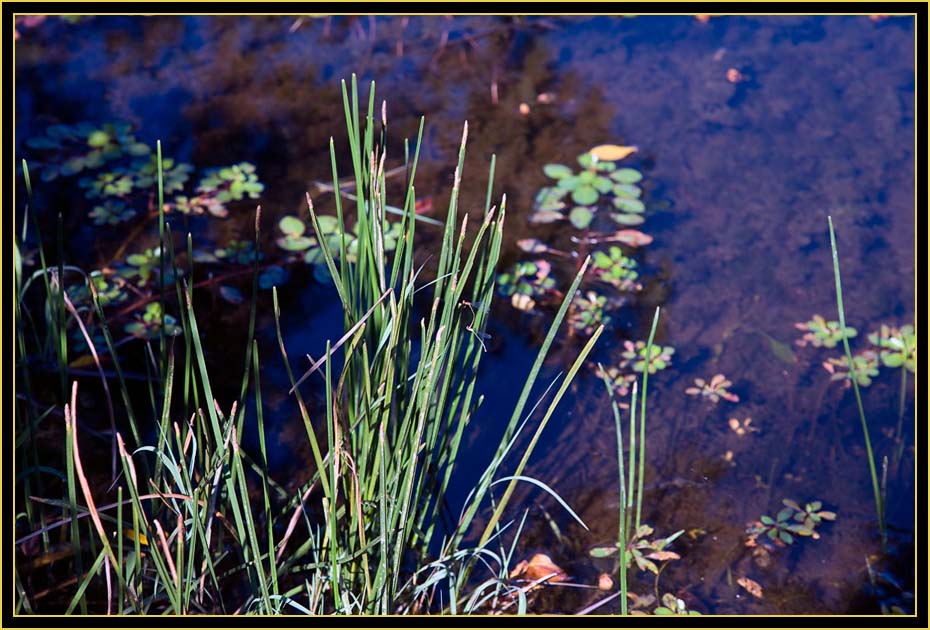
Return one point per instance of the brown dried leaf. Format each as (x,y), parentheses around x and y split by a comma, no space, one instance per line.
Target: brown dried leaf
(751,586)
(539,567)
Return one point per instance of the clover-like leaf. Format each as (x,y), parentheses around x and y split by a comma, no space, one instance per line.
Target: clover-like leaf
(585,195)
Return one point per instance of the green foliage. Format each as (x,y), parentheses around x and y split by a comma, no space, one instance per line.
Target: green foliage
(66,150)
(232,183)
(149,326)
(792,520)
(132,171)
(635,354)
(863,369)
(898,346)
(615,269)
(526,283)
(112,184)
(598,180)
(143,265)
(818,332)
(111,289)
(588,312)
(175,175)
(642,551)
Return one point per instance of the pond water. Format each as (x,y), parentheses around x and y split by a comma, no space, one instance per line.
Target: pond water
(750,132)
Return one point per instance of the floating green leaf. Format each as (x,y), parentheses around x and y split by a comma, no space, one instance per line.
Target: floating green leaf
(581,217)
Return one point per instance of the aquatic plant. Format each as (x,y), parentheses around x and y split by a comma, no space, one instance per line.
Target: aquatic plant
(588,312)
(111,212)
(110,289)
(898,346)
(713,389)
(811,516)
(792,520)
(217,188)
(232,183)
(111,184)
(71,149)
(599,177)
(898,350)
(143,265)
(615,269)
(862,369)
(641,550)
(621,382)
(632,544)
(819,332)
(153,323)
(198,204)
(174,175)
(527,282)
(634,354)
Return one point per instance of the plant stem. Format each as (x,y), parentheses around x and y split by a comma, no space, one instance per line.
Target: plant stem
(865,426)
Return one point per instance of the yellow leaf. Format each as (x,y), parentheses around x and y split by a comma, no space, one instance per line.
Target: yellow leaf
(612,152)
(131,535)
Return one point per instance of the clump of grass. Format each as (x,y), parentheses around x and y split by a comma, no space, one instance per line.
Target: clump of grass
(631,545)
(362,533)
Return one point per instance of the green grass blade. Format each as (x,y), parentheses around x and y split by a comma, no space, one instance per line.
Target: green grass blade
(879,508)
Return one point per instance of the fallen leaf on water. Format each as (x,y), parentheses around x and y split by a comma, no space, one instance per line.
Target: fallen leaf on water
(539,567)
(751,586)
(612,152)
